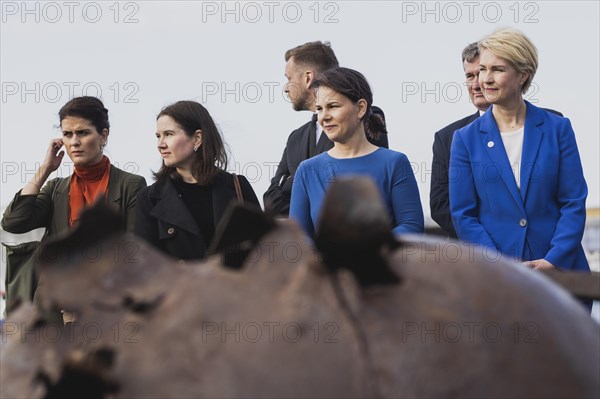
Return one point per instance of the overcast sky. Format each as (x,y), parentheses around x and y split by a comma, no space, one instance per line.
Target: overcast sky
(140,56)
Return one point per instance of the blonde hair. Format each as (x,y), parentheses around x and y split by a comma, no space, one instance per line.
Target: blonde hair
(516,48)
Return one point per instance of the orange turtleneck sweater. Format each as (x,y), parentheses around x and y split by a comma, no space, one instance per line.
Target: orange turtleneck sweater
(87,184)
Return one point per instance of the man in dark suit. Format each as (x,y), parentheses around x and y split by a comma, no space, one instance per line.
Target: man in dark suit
(303,64)
(438,196)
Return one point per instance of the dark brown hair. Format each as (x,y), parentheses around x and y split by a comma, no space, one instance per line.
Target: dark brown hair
(353,85)
(211,157)
(89,108)
(318,55)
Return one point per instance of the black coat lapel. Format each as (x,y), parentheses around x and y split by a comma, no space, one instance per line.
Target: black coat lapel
(308,139)
(170,207)
(324,143)
(222,193)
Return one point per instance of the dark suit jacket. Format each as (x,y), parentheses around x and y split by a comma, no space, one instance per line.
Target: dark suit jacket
(545,217)
(163,220)
(439,202)
(278,195)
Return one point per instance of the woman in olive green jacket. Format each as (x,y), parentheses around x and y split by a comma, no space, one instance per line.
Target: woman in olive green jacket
(57,204)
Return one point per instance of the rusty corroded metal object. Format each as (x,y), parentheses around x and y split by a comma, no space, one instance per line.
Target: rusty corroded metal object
(452,322)
(580,284)
(355,232)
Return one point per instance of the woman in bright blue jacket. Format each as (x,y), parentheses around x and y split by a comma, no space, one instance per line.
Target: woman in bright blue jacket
(516,180)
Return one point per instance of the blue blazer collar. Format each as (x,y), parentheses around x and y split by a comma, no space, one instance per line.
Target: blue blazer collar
(531,143)
(534,120)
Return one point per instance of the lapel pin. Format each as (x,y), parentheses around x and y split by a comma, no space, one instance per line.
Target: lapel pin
(490,144)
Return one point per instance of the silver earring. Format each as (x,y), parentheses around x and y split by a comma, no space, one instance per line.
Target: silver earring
(196,148)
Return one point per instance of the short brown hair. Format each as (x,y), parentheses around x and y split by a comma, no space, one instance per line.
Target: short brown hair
(317,54)
(89,108)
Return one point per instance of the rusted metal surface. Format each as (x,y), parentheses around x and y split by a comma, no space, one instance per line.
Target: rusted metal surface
(451,322)
(579,284)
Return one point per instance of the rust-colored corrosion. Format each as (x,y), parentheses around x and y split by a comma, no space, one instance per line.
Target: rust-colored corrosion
(442,319)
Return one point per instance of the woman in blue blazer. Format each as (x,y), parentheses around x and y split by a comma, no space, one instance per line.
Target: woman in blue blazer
(516,180)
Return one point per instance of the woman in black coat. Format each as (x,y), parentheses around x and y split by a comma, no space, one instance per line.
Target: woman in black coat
(181,210)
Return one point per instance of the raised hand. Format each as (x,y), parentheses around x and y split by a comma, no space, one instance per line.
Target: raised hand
(52,161)
(53,157)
